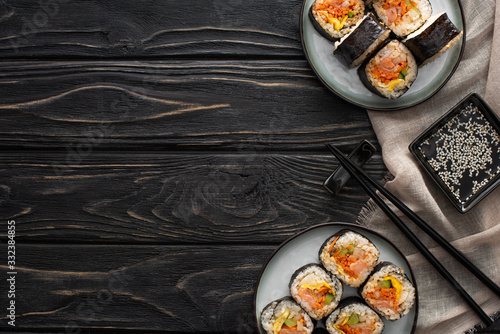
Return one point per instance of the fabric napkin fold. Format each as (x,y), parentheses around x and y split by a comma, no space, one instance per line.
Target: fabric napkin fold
(477,232)
(492,94)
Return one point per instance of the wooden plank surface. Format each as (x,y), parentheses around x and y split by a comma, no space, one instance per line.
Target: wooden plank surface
(161,29)
(229,105)
(154,154)
(170,198)
(74,288)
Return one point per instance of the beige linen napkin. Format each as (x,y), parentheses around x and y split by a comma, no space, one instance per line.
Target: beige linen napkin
(476,233)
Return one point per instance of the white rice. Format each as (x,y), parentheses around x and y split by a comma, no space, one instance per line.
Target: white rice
(311,275)
(278,307)
(358,10)
(427,24)
(365,314)
(369,252)
(408,23)
(406,299)
(393,49)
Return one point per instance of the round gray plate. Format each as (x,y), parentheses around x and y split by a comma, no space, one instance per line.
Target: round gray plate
(303,248)
(345,82)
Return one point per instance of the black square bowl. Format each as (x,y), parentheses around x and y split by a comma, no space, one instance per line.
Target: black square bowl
(461,151)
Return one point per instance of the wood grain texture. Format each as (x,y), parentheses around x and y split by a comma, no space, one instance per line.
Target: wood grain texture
(154,154)
(106,197)
(175,105)
(161,29)
(71,288)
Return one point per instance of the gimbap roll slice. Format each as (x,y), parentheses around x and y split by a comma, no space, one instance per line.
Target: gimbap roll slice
(349,256)
(354,316)
(285,316)
(316,291)
(434,38)
(364,39)
(389,291)
(403,16)
(390,72)
(334,18)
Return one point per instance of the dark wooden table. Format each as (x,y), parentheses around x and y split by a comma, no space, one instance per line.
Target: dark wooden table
(154,154)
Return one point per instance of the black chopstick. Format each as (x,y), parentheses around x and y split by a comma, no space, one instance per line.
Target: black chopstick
(362,178)
(424,226)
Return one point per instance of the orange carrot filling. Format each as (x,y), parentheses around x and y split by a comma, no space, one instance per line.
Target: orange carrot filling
(349,330)
(387,76)
(288,328)
(335,9)
(405,6)
(345,262)
(389,294)
(333,244)
(319,296)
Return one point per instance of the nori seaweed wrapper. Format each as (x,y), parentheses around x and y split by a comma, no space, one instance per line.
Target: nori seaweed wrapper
(319,28)
(360,39)
(432,39)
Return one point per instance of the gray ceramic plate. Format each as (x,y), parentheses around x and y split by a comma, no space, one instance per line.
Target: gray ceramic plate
(303,248)
(345,82)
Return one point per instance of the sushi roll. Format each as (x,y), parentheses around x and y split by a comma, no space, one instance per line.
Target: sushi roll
(389,291)
(403,16)
(285,316)
(434,38)
(364,39)
(316,291)
(354,316)
(335,18)
(349,256)
(390,72)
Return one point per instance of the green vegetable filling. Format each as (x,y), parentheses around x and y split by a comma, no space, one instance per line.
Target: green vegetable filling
(290,322)
(345,251)
(350,14)
(329,298)
(386,284)
(403,73)
(409,4)
(353,319)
